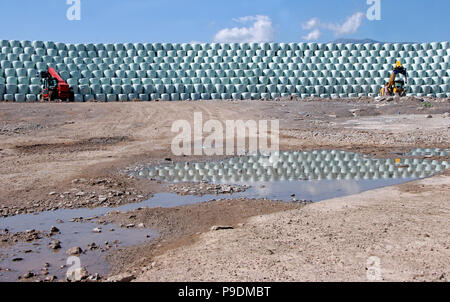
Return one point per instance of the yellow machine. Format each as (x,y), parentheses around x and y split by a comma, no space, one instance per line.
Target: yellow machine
(394,86)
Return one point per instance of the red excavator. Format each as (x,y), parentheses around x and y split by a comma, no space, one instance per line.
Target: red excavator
(54,87)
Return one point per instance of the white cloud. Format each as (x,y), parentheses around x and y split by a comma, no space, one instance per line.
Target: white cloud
(314,22)
(260,31)
(314,35)
(350,26)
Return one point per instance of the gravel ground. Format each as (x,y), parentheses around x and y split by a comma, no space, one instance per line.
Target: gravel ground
(64,155)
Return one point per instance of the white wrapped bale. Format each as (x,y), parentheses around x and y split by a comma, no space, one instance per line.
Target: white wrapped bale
(5,64)
(123,97)
(100,97)
(19,97)
(132,96)
(31,98)
(155,96)
(94,81)
(185,96)
(97,74)
(22,88)
(9,97)
(78,98)
(111,97)
(143,97)
(89,97)
(84,89)
(17,64)
(105,81)
(127,89)
(11,88)
(96,88)
(126,81)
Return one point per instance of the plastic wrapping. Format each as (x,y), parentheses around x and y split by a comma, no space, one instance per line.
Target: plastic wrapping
(20,97)
(331,65)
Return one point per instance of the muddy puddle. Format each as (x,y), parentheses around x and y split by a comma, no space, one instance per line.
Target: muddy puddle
(291,177)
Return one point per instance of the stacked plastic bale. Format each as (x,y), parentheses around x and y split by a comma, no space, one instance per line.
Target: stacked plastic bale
(123,72)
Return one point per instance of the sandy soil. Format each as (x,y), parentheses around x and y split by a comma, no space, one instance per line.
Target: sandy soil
(406,228)
(180,226)
(71,155)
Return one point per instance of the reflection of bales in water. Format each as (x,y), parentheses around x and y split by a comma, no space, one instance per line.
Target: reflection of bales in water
(429,151)
(309,165)
(348,187)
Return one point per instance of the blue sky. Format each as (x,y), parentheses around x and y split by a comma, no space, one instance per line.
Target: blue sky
(178,21)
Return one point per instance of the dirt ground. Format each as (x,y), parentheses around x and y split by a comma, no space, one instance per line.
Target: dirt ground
(71,155)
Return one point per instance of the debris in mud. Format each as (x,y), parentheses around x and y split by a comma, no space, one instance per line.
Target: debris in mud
(88,193)
(7,238)
(206,189)
(92,246)
(89,144)
(302,201)
(220,228)
(50,278)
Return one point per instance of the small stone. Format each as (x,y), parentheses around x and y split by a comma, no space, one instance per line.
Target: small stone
(17,259)
(74,251)
(50,278)
(54,229)
(141,225)
(121,278)
(131,225)
(95,277)
(102,198)
(92,246)
(52,193)
(429,116)
(27,275)
(77,275)
(56,244)
(97,230)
